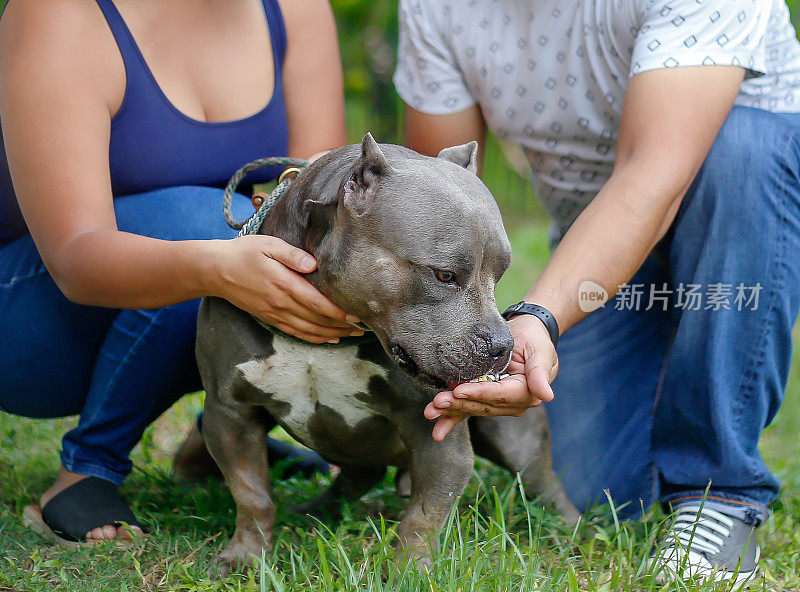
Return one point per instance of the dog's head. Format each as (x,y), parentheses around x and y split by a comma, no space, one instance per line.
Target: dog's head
(414,246)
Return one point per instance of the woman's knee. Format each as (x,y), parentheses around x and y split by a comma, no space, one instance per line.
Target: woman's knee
(154,350)
(171,328)
(180,213)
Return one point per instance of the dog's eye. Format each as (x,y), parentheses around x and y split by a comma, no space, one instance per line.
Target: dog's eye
(445,276)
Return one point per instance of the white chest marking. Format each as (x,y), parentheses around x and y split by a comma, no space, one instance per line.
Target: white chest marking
(303,375)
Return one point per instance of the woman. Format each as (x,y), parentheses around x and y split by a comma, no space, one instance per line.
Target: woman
(120,122)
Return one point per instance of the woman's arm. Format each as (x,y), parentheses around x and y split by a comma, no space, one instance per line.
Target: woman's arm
(657,159)
(312,78)
(56,96)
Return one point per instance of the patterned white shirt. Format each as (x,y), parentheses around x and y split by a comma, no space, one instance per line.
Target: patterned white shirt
(550,75)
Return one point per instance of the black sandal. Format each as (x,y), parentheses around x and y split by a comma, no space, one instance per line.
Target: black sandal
(71,513)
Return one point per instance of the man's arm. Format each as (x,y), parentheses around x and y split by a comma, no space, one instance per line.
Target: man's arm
(657,160)
(428,134)
(658,157)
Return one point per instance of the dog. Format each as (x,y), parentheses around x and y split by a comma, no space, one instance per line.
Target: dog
(413,246)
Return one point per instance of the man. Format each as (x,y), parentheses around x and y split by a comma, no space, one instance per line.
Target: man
(663,140)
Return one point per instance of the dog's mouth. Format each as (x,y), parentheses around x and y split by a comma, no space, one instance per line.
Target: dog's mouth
(404,360)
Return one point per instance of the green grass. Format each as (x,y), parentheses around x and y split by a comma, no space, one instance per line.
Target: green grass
(496,540)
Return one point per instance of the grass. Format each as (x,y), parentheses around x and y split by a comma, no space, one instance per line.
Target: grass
(496,540)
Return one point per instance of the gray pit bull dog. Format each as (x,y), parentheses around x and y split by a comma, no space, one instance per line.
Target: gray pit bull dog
(414,247)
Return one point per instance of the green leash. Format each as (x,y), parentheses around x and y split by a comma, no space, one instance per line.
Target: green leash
(253,223)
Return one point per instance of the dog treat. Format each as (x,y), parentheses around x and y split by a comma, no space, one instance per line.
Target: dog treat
(491,378)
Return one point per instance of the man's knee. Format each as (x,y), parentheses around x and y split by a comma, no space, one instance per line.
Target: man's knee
(748,173)
(751,148)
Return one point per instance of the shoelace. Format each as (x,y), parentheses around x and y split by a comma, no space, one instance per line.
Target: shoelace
(699,529)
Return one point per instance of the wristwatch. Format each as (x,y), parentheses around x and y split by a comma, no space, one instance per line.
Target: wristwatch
(540,312)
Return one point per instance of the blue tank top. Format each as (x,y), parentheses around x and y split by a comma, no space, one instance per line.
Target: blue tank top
(153,145)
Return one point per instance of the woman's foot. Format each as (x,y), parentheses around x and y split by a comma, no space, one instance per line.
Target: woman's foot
(66,479)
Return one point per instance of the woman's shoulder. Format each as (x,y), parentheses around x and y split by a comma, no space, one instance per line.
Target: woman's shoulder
(50,22)
(56,40)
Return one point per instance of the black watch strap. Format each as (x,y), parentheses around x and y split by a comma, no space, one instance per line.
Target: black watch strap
(540,312)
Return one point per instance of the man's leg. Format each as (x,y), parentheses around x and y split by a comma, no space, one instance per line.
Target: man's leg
(737,238)
(602,413)
(735,243)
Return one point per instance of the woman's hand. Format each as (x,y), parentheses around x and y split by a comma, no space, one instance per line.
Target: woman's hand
(262,275)
(533,366)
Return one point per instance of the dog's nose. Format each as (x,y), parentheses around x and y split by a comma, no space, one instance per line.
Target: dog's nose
(500,348)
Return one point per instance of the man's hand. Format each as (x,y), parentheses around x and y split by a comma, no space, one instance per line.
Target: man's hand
(533,366)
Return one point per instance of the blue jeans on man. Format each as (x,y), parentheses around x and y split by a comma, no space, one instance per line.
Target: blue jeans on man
(669,403)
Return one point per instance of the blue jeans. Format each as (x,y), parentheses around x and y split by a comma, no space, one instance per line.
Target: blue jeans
(117,369)
(656,404)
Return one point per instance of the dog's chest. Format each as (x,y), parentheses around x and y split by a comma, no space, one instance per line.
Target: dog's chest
(309,385)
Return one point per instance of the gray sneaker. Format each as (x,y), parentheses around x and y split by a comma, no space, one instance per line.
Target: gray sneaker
(706,544)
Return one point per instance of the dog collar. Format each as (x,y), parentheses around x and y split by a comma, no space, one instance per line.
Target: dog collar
(367,337)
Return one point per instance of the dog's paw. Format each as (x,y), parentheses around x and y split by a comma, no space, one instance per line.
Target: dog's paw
(417,556)
(570,515)
(219,569)
(233,559)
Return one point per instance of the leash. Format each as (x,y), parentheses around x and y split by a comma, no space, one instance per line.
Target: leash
(253,223)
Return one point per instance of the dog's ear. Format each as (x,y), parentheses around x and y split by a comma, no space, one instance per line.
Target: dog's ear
(362,186)
(465,156)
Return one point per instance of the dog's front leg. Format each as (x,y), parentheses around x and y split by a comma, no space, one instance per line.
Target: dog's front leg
(439,473)
(236,437)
